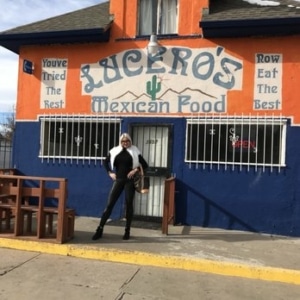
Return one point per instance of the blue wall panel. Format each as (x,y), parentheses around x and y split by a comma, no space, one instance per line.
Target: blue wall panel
(261,201)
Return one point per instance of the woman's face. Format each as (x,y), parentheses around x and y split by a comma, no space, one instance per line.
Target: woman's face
(125,142)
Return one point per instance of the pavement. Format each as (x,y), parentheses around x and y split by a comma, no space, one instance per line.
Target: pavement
(212,251)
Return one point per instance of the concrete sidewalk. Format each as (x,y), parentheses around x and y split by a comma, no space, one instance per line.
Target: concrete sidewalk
(216,251)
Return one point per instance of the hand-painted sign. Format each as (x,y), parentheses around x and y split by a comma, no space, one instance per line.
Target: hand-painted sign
(175,81)
(53,86)
(268,82)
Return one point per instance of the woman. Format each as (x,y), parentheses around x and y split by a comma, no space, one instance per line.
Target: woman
(122,163)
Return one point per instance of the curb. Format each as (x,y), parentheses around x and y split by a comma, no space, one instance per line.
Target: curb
(155,260)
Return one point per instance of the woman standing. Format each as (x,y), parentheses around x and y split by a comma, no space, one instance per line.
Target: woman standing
(121,164)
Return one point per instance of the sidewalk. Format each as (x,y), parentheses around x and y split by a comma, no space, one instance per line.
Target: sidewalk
(216,251)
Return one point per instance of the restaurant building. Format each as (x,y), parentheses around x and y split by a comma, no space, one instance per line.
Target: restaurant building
(212,100)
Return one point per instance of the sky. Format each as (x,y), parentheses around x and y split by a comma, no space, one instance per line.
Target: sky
(15,13)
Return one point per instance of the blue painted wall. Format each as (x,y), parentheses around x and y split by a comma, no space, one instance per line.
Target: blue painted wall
(261,201)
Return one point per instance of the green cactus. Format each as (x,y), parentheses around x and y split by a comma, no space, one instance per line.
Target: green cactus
(153,87)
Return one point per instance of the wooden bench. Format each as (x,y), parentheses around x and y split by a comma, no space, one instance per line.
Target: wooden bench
(50,217)
(17,195)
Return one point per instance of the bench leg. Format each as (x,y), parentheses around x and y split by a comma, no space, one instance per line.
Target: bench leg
(8,216)
(70,224)
(5,215)
(29,217)
(49,221)
(29,221)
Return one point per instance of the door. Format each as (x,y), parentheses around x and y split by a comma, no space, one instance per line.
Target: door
(154,142)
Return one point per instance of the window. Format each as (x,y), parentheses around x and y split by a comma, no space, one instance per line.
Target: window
(158,16)
(78,137)
(236,141)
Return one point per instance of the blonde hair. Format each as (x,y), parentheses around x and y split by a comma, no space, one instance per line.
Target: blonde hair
(125,135)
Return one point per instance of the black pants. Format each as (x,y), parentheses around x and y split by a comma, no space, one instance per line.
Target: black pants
(118,186)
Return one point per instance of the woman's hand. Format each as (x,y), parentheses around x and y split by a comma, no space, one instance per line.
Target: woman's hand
(131,173)
(112,175)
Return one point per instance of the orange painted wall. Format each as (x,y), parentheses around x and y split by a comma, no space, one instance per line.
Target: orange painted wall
(239,102)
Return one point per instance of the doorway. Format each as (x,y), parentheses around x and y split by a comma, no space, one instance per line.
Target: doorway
(154,142)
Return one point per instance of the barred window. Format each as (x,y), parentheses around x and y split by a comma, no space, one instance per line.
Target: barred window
(78,137)
(236,141)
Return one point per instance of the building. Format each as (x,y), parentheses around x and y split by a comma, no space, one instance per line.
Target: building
(214,101)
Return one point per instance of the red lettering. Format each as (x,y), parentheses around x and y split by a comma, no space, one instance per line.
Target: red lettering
(245,144)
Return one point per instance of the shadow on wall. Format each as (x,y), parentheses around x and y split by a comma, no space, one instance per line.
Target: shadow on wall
(208,208)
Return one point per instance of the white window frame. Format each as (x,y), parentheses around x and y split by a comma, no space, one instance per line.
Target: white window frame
(249,151)
(77,137)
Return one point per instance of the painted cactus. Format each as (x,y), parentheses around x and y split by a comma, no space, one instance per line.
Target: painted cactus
(153,87)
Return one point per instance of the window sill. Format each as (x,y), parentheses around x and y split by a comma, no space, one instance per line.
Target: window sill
(160,37)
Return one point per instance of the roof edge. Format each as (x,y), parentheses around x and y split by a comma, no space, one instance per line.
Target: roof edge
(250,27)
(13,42)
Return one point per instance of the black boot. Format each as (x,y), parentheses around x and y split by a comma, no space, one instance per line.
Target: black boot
(98,234)
(126,235)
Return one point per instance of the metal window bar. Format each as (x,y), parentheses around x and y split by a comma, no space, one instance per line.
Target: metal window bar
(211,144)
(54,140)
(116,134)
(281,151)
(191,143)
(219,143)
(241,143)
(152,132)
(156,153)
(109,133)
(226,143)
(152,156)
(77,141)
(66,141)
(249,139)
(265,143)
(92,145)
(96,145)
(42,138)
(102,137)
(256,157)
(204,144)
(49,141)
(147,136)
(162,153)
(272,142)
(234,142)
(60,139)
(73,137)
(84,136)
(198,140)
(87,145)
(263,147)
